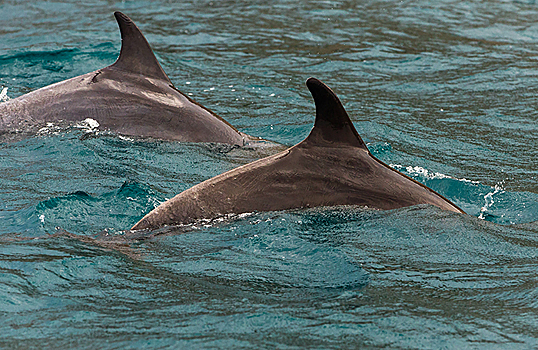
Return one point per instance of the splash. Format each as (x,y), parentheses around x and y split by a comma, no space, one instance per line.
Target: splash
(49,129)
(490,201)
(88,124)
(3,95)
(428,174)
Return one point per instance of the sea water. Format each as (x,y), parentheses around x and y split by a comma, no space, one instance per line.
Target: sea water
(445,92)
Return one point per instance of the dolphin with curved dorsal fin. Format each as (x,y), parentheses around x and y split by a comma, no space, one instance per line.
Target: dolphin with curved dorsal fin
(332,166)
(133,96)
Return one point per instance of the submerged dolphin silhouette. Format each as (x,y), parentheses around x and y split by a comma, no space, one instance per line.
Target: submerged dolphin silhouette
(332,166)
(133,96)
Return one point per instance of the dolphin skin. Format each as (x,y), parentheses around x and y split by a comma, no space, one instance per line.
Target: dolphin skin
(133,96)
(332,166)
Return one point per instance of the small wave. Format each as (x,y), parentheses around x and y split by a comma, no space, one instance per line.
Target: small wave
(263,249)
(82,212)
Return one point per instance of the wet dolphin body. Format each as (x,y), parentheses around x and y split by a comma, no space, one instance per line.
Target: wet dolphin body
(133,96)
(332,166)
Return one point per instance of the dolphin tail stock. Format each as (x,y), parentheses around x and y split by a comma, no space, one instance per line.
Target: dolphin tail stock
(136,55)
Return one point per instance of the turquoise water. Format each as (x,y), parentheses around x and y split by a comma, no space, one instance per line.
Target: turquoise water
(445,92)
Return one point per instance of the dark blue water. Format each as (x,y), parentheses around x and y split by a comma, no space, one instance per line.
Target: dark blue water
(445,92)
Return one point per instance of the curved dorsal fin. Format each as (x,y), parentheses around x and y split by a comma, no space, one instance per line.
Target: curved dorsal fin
(332,123)
(136,55)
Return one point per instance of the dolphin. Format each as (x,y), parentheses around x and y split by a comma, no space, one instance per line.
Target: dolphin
(332,166)
(133,97)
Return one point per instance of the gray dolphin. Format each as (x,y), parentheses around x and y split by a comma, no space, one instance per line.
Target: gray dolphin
(332,166)
(133,96)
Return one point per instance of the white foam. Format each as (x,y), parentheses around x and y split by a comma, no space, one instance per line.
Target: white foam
(92,123)
(88,124)
(125,138)
(489,200)
(428,174)
(3,95)
(49,129)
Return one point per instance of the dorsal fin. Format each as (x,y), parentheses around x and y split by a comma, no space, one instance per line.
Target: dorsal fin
(136,55)
(332,123)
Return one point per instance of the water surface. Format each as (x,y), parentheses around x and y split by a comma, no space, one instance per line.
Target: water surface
(443,91)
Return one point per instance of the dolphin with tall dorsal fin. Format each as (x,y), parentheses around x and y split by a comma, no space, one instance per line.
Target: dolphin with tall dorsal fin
(133,96)
(332,166)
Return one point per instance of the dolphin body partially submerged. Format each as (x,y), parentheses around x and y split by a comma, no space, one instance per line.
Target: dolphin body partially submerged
(332,166)
(133,96)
